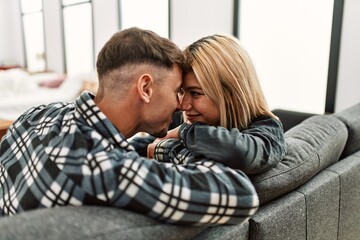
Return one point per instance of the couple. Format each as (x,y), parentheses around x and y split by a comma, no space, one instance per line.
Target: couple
(78,154)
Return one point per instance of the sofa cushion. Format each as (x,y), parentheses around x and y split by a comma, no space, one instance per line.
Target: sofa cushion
(311,146)
(351,118)
(89,222)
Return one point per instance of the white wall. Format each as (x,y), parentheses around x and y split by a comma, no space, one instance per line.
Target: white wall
(348,86)
(106,21)
(134,16)
(53,38)
(193,19)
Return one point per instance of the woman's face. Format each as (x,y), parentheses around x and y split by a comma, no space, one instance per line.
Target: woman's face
(196,106)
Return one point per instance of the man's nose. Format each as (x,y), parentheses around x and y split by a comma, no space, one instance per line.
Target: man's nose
(178,108)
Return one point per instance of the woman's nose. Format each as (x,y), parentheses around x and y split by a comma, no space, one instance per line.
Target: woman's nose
(185,104)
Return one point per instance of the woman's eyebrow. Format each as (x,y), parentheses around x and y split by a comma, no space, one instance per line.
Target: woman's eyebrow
(192,88)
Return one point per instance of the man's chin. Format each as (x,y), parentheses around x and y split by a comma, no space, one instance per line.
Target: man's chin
(160,134)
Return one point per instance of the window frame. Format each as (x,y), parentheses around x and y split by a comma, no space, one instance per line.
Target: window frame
(22,25)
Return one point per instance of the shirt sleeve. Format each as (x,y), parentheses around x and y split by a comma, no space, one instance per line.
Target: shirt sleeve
(172,150)
(198,193)
(140,143)
(256,149)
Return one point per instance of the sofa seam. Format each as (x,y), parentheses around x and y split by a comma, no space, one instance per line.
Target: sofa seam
(338,222)
(306,212)
(340,197)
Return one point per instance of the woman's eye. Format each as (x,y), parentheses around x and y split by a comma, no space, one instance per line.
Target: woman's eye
(195,94)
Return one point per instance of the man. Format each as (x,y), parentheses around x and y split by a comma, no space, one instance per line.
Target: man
(77,153)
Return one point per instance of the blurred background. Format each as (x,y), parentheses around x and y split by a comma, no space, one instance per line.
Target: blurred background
(306,52)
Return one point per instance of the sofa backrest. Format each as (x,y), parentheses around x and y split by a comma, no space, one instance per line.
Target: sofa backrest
(312,145)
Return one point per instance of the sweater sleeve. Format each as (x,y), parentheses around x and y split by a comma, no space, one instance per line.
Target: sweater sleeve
(256,149)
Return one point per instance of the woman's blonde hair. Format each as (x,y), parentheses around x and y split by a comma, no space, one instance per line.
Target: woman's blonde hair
(228,77)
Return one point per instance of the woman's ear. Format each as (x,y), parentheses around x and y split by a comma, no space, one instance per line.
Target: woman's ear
(145,87)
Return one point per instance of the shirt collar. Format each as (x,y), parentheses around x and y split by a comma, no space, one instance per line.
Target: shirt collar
(88,110)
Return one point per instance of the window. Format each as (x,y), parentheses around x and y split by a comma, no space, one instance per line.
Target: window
(152,15)
(34,39)
(78,34)
(289,42)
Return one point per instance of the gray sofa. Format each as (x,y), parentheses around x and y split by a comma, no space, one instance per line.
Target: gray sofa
(314,193)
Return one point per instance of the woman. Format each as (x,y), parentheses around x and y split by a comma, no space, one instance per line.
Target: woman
(226,116)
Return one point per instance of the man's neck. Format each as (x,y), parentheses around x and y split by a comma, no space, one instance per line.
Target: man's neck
(123,114)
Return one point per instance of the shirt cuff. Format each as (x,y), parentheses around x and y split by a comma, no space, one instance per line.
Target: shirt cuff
(162,150)
(172,150)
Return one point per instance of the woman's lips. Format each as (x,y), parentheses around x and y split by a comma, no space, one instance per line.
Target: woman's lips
(192,117)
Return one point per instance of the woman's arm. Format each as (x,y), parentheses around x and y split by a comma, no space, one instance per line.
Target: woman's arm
(253,150)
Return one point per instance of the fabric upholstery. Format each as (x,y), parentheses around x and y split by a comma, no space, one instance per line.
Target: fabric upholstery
(312,145)
(348,170)
(322,206)
(238,232)
(284,218)
(87,223)
(351,118)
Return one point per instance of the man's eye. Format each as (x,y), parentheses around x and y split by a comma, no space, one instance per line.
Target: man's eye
(180,92)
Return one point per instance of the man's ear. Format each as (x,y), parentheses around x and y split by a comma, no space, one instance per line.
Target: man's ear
(145,87)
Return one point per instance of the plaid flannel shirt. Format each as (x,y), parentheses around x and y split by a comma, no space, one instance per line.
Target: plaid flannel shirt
(172,150)
(71,154)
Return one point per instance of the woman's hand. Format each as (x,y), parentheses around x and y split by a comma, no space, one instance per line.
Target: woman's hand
(173,133)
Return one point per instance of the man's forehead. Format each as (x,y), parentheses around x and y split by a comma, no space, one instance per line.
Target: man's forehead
(177,76)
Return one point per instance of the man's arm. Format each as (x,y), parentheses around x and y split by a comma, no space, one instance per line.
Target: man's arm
(194,194)
(200,193)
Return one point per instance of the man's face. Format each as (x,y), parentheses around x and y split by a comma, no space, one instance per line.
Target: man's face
(164,103)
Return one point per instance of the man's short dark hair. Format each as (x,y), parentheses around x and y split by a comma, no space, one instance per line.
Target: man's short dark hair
(137,46)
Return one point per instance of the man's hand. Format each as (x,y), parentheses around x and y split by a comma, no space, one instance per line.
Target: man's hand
(173,133)
(151,148)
